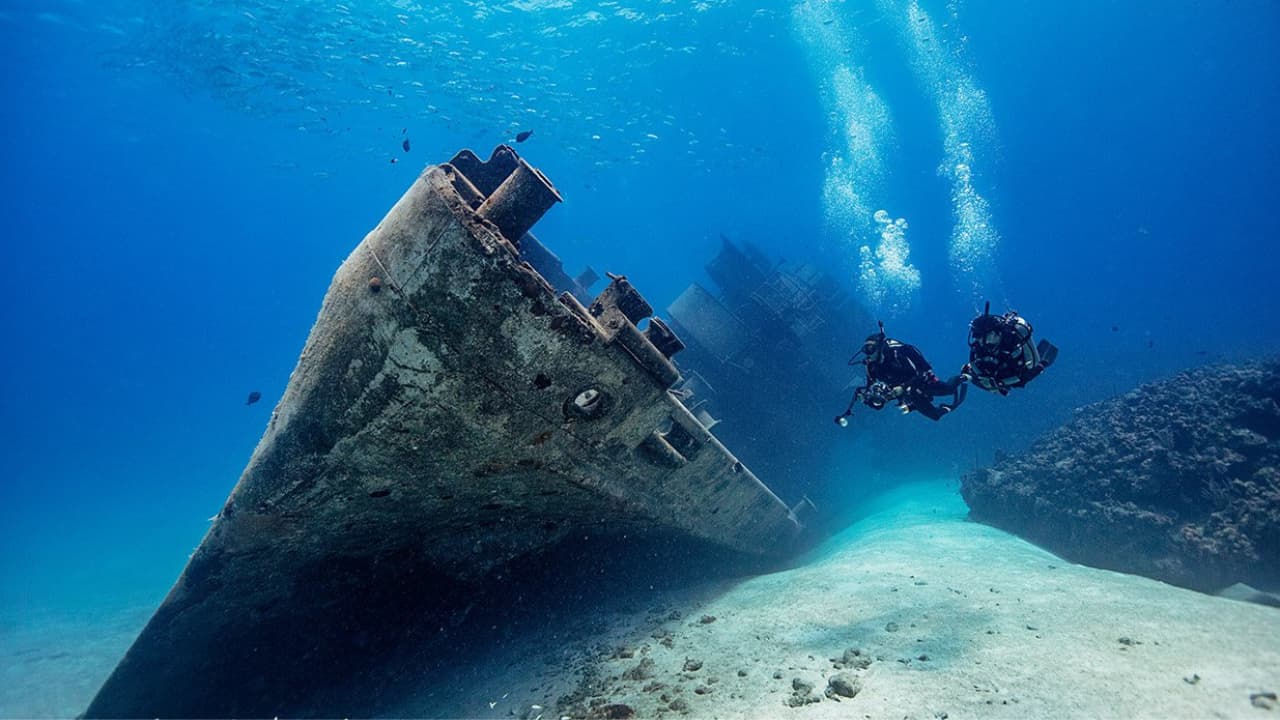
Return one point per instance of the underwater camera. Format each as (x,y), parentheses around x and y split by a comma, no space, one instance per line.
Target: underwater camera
(878,394)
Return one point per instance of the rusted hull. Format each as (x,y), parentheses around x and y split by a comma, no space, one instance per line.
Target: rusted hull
(449,413)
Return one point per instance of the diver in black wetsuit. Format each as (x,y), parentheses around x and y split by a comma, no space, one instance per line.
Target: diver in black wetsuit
(898,371)
(1001,355)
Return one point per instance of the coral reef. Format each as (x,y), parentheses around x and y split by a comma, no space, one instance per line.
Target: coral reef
(1178,480)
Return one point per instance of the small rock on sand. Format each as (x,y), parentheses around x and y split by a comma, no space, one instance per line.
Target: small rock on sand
(679,705)
(891,627)
(1263,700)
(707,619)
(691,665)
(843,685)
(642,671)
(802,693)
(795,700)
(853,658)
(616,712)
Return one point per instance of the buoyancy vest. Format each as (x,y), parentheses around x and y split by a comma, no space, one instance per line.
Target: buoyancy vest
(1002,364)
(899,364)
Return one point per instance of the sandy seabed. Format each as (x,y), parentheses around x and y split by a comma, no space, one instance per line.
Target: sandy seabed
(956,619)
(914,610)
(52,662)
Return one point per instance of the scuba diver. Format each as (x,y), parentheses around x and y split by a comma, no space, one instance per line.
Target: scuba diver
(898,371)
(1001,356)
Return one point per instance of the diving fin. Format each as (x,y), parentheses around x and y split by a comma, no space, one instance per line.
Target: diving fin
(1048,352)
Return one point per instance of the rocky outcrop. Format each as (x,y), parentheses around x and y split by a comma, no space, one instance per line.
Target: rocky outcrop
(1178,480)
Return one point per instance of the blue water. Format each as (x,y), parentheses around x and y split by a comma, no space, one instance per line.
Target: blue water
(180,180)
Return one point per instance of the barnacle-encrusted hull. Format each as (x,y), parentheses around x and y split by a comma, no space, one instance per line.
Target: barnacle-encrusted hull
(449,413)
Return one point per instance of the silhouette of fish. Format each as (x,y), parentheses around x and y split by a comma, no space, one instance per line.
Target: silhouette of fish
(523,135)
(254,397)
(405,144)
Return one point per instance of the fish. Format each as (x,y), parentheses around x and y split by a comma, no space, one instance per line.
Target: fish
(1115,328)
(393,161)
(254,397)
(523,135)
(405,144)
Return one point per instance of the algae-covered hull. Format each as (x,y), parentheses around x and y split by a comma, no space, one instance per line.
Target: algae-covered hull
(450,412)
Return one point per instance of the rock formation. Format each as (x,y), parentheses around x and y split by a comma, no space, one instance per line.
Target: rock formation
(1178,480)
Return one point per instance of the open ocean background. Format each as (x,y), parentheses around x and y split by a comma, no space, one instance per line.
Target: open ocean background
(179,180)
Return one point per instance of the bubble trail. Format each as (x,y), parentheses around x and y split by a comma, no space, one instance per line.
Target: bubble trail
(860,139)
(966,123)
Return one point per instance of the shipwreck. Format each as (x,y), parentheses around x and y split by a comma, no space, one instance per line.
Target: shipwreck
(460,405)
